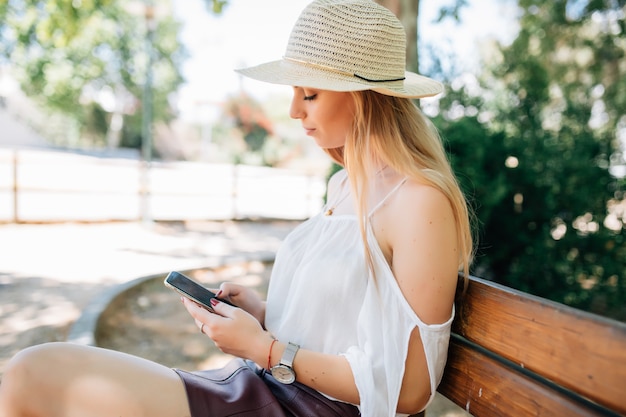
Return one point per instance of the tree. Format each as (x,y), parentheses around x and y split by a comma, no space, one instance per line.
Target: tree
(536,157)
(87,60)
(407,12)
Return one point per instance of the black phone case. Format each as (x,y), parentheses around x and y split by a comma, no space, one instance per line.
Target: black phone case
(192,290)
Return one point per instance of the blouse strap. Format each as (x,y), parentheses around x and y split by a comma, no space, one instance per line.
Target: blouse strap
(396,188)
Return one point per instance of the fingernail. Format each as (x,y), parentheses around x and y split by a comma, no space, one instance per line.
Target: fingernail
(214,302)
(218,294)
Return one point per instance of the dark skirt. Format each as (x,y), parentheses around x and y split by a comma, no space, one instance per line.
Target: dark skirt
(242,389)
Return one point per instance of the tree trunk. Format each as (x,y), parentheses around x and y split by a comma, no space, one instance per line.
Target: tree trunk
(407,12)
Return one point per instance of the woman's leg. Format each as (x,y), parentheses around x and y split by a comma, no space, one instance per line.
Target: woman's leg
(62,379)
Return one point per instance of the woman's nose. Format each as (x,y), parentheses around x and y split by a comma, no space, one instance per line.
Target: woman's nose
(295,110)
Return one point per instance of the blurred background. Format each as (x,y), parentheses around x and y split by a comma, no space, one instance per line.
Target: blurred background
(130,111)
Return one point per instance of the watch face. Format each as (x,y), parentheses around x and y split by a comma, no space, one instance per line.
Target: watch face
(283,374)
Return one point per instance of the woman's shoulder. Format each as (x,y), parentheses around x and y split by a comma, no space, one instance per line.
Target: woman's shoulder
(419,211)
(421,235)
(415,198)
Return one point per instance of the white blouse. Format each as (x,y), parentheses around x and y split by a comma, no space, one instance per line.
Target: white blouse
(322,297)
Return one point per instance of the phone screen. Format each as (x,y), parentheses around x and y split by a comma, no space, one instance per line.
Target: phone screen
(191,289)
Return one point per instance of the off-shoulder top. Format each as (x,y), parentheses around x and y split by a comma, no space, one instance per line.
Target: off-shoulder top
(323,297)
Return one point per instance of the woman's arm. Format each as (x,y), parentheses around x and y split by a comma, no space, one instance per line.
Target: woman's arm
(329,374)
(420,231)
(417,232)
(238,333)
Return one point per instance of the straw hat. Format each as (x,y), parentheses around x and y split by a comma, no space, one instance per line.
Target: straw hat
(346,45)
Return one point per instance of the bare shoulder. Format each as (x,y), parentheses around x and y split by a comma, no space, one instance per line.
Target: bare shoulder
(422,239)
(420,210)
(416,196)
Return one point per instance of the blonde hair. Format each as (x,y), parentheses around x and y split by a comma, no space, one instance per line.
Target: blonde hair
(396,132)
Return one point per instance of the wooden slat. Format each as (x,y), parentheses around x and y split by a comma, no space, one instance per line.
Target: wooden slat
(580,351)
(485,387)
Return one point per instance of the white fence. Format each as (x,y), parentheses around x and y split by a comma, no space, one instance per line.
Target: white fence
(45,186)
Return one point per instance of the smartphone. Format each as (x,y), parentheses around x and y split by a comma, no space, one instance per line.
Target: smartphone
(191,289)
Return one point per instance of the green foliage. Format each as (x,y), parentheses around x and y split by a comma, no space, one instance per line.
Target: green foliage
(88,58)
(452,11)
(216,6)
(535,161)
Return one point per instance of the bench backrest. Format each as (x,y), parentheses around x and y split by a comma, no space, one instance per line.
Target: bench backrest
(514,354)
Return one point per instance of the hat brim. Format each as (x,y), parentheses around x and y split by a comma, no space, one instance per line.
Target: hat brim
(286,72)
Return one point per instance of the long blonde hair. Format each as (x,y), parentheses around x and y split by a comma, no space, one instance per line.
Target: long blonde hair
(396,132)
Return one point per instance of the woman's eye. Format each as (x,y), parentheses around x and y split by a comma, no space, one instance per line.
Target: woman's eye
(311,97)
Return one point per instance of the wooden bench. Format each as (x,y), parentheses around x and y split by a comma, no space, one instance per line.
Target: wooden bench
(514,354)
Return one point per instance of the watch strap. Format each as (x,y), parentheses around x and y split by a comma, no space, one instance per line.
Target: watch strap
(289,354)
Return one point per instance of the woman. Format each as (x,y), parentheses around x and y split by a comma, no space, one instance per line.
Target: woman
(361,297)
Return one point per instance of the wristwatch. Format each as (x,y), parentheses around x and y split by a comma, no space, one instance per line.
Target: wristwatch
(283,372)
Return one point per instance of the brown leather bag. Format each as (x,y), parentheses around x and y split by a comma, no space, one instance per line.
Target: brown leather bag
(242,389)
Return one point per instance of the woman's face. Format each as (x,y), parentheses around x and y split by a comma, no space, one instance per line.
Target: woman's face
(327,116)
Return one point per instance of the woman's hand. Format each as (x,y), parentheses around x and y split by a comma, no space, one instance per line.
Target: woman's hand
(238,333)
(244,297)
(234,330)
